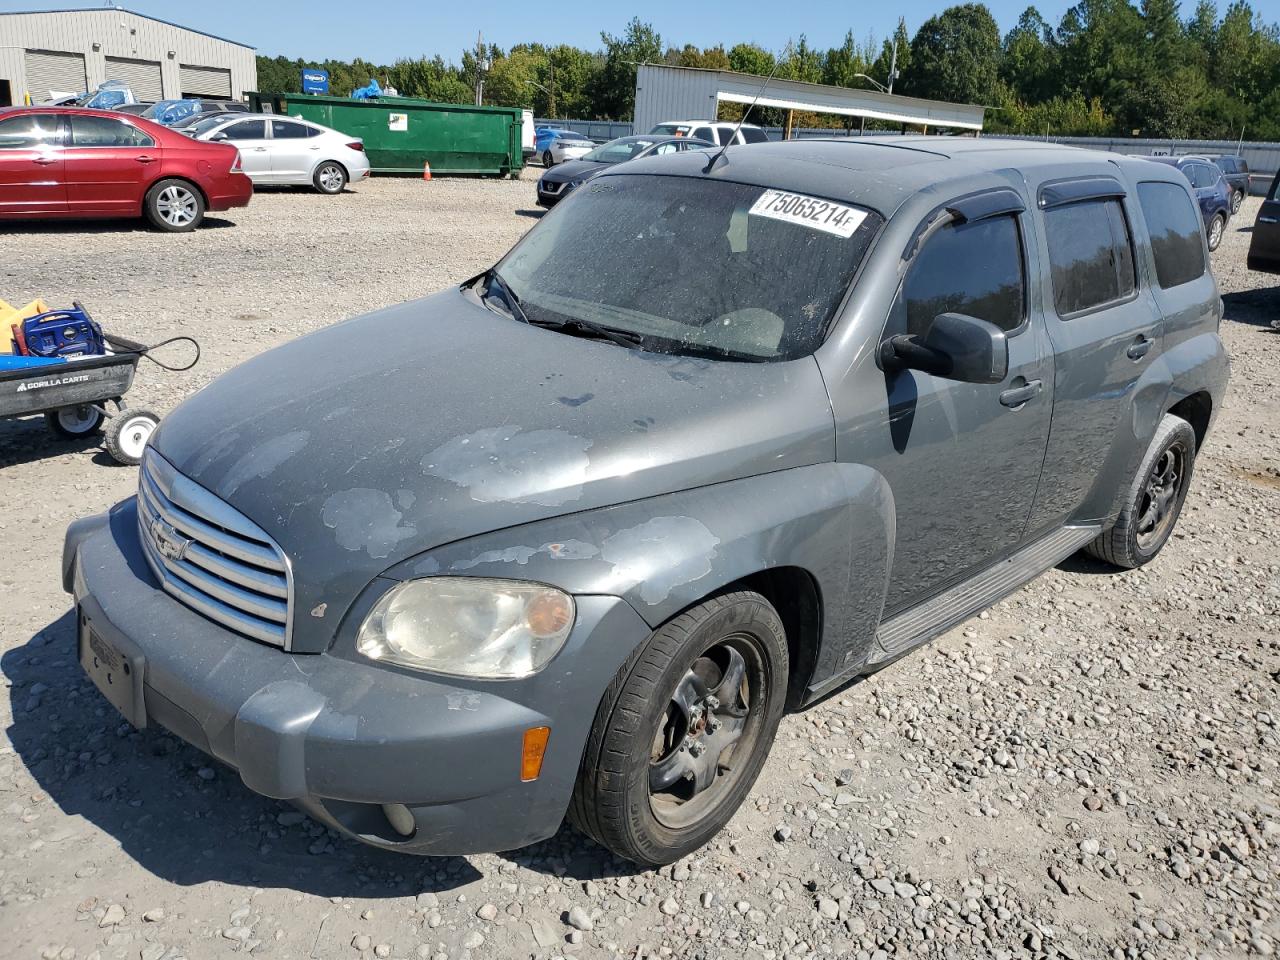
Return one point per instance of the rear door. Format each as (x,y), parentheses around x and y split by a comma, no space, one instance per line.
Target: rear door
(294,150)
(1105,329)
(108,162)
(32,169)
(1264,248)
(250,137)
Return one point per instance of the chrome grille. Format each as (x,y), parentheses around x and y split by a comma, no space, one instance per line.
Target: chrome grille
(210,556)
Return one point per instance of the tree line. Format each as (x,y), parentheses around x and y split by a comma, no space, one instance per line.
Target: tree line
(1108,68)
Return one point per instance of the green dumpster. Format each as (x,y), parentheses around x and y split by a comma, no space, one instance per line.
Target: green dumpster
(401,134)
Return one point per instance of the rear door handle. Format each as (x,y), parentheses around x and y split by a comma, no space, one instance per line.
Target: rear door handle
(1138,349)
(145,159)
(45,161)
(1017,396)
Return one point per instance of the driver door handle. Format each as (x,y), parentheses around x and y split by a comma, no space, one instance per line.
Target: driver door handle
(1017,396)
(1138,349)
(45,161)
(145,159)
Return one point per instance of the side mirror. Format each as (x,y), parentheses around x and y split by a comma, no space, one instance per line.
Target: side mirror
(219,137)
(955,347)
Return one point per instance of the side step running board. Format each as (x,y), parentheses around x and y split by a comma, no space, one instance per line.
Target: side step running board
(957,604)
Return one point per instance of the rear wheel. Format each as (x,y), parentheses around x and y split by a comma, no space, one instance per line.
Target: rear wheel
(1217,227)
(1154,500)
(1237,198)
(72,423)
(174,206)
(683,730)
(547,159)
(330,177)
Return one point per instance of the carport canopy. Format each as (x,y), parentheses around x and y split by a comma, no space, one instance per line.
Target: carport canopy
(684,93)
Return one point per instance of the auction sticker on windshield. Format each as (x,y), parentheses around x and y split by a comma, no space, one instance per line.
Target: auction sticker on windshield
(809,212)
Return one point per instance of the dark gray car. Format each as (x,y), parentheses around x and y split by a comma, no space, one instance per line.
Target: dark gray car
(711,441)
(1235,170)
(559,181)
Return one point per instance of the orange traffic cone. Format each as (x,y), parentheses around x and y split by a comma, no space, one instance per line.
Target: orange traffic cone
(426,171)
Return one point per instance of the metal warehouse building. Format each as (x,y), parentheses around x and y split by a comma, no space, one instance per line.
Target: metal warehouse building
(60,52)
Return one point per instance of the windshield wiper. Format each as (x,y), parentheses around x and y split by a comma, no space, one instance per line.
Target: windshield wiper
(596,331)
(493,281)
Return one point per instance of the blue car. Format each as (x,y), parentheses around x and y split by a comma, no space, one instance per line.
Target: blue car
(555,145)
(1211,190)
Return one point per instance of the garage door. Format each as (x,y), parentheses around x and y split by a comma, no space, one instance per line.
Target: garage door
(205,82)
(49,72)
(143,76)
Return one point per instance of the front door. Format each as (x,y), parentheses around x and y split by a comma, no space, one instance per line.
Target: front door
(1264,246)
(31,165)
(108,161)
(250,138)
(961,459)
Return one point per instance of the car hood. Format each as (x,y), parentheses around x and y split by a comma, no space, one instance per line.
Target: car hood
(574,170)
(380,438)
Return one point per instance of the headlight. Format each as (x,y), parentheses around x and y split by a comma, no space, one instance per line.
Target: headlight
(468,627)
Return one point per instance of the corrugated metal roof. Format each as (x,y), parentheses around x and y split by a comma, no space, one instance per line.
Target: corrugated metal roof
(144,16)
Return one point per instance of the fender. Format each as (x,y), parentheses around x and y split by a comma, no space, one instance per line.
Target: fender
(662,554)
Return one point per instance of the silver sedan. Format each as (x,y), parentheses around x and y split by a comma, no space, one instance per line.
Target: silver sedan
(289,150)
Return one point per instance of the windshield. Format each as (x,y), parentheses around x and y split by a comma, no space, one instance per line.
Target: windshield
(693,266)
(618,151)
(208,123)
(169,112)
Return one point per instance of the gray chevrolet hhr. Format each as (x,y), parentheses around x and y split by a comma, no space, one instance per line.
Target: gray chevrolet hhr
(719,435)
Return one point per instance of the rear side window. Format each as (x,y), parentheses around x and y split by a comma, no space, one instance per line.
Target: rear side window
(754,135)
(970,268)
(1177,241)
(87,131)
(1090,255)
(284,130)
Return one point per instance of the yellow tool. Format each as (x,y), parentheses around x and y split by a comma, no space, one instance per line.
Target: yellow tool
(10,315)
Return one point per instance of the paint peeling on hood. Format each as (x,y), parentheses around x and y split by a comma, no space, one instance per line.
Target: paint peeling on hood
(364,519)
(262,460)
(507,463)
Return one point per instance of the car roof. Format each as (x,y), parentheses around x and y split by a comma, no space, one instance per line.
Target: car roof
(732,124)
(879,172)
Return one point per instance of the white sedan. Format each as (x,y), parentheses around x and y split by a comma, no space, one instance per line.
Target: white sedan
(288,150)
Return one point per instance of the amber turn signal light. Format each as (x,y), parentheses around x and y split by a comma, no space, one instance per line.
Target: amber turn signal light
(535,748)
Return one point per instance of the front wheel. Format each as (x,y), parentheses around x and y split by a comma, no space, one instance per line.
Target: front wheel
(1154,500)
(128,433)
(174,206)
(1217,227)
(683,730)
(330,177)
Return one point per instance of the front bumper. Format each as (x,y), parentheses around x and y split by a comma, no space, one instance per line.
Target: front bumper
(341,737)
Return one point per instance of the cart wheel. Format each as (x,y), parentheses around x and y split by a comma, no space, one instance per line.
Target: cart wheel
(73,423)
(128,433)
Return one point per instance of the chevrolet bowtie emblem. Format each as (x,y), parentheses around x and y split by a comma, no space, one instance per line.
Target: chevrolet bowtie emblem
(169,543)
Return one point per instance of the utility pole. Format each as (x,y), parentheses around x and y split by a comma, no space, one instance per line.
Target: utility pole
(551,87)
(482,67)
(893,64)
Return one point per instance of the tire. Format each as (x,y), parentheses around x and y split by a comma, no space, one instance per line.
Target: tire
(1237,198)
(128,434)
(1137,536)
(174,206)
(1217,227)
(642,733)
(74,423)
(330,177)
(547,159)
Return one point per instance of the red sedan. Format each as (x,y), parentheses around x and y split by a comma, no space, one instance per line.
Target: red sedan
(65,162)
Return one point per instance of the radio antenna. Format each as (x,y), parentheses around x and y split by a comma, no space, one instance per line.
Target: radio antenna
(745,113)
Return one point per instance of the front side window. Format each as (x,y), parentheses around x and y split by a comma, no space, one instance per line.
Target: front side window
(28,131)
(1176,230)
(712,268)
(87,131)
(705,133)
(970,268)
(246,130)
(1090,255)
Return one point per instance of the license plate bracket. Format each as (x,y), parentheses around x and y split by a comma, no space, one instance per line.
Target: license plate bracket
(116,668)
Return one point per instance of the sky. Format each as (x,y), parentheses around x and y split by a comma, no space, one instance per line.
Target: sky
(384,31)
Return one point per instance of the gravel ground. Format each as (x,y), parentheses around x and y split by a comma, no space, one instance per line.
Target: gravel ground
(1087,770)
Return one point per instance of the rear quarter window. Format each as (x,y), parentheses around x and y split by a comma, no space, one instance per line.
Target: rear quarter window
(754,135)
(1177,241)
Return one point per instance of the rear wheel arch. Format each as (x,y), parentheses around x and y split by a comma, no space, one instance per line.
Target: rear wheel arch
(1197,410)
